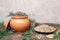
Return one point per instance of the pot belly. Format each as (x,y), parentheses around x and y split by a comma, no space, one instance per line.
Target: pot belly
(19,25)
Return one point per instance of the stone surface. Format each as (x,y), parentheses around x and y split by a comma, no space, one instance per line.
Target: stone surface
(14,36)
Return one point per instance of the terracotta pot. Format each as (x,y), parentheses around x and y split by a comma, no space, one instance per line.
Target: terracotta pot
(19,23)
(6,24)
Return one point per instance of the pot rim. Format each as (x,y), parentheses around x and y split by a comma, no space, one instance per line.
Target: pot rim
(19,17)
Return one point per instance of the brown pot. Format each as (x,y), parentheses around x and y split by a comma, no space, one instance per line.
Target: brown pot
(19,23)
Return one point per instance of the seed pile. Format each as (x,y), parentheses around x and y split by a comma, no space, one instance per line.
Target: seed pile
(44,28)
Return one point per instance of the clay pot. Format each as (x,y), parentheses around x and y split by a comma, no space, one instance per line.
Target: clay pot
(6,24)
(19,23)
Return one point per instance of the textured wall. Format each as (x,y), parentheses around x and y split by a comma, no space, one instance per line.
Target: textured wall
(44,10)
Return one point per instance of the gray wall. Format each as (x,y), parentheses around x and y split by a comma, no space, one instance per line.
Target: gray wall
(44,10)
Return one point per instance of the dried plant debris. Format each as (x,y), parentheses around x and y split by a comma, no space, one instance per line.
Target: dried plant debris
(20,14)
(49,36)
(38,36)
